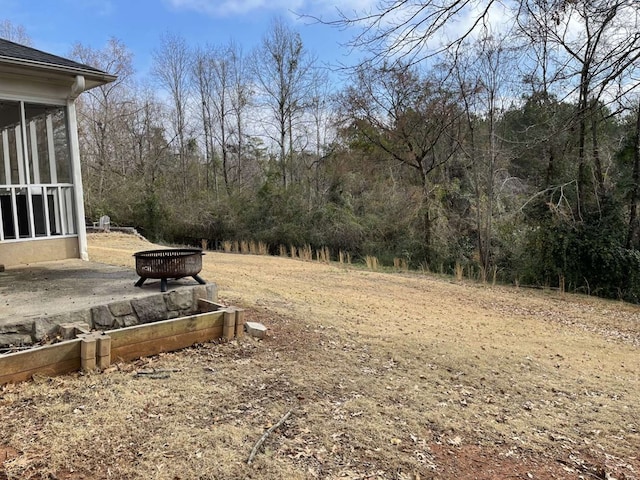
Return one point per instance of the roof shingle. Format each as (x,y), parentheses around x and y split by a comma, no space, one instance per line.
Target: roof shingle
(11,50)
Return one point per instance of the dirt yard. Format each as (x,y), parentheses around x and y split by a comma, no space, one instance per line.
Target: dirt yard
(387,376)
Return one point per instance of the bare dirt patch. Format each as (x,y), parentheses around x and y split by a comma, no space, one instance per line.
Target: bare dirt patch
(388,375)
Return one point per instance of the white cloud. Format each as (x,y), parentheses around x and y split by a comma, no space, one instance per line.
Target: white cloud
(223,8)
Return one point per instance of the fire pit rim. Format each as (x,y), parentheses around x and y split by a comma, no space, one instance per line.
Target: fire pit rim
(161,251)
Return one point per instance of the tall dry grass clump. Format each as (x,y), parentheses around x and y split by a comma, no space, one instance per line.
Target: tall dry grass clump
(372,262)
(306,253)
(458,271)
(400,264)
(245,247)
(323,255)
(259,248)
(344,257)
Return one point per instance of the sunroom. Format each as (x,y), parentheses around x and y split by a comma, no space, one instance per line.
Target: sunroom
(41,200)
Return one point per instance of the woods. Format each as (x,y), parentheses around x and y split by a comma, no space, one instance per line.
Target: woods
(509,152)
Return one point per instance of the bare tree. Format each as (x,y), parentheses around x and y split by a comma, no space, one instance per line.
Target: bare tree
(101,112)
(146,139)
(224,94)
(483,78)
(412,120)
(599,43)
(409,31)
(282,69)
(171,69)
(202,71)
(221,74)
(591,46)
(321,124)
(634,196)
(14,33)
(241,97)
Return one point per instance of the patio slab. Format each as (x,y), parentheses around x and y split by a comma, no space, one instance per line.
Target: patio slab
(32,292)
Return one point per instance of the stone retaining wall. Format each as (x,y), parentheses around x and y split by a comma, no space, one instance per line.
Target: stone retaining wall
(176,303)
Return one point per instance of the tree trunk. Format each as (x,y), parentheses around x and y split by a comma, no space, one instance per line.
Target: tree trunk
(283,152)
(488,223)
(207,153)
(427,223)
(596,150)
(632,232)
(582,133)
(224,146)
(239,159)
(551,166)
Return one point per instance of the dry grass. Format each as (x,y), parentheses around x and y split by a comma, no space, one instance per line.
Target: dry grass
(389,376)
(344,257)
(371,262)
(459,272)
(323,255)
(306,253)
(401,264)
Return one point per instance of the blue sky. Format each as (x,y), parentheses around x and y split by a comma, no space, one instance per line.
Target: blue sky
(56,25)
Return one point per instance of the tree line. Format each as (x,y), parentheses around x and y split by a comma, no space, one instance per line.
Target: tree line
(510,153)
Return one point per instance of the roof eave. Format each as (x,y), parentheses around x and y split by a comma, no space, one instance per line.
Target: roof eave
(96,77)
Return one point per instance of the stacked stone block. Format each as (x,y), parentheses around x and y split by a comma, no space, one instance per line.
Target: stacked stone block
(163,306)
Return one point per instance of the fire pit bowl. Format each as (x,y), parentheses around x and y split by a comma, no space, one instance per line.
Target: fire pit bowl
(168,263)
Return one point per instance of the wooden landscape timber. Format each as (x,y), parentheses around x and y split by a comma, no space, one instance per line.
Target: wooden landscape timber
(50,360)
(100,349)
(165,336)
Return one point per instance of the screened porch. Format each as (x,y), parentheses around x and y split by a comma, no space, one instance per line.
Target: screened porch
(36,181)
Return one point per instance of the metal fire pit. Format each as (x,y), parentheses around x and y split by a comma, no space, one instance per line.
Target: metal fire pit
(169,263)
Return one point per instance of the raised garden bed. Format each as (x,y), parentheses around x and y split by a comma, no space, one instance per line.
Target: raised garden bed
(102,348)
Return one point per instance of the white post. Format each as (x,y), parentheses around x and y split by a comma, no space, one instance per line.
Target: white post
(35,161)
(20,156)
(5,153)
(74,150)
(53,174)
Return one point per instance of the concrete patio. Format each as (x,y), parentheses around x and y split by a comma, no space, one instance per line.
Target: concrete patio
(36,298)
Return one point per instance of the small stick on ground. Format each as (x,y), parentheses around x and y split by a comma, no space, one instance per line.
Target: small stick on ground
(265,435)
(156,374)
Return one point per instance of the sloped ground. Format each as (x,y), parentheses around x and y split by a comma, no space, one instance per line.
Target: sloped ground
(387,375)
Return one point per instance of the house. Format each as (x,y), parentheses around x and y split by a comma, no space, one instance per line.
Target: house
(41,199)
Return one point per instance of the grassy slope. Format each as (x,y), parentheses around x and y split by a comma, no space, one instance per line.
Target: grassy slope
(381,370)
